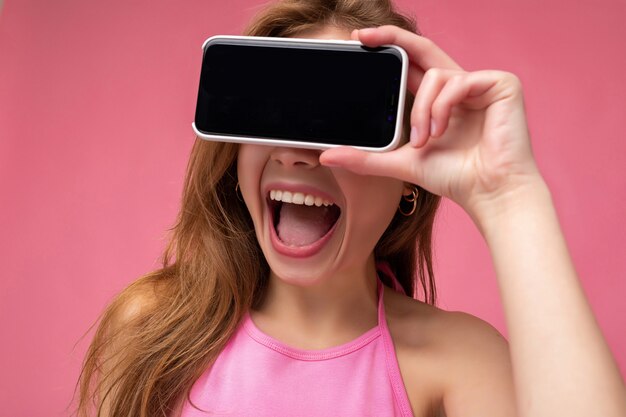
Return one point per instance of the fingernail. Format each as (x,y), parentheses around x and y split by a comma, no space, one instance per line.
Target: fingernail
(413,137)
(366,31)
(432,127)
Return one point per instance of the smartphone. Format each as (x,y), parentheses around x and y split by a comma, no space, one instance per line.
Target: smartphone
(306,93)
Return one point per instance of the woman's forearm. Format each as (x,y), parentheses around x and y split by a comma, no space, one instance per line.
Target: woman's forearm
(562,365)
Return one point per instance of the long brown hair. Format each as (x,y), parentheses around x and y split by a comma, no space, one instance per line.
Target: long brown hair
(159,335)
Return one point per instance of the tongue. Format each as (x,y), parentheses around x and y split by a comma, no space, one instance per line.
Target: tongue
(301,225)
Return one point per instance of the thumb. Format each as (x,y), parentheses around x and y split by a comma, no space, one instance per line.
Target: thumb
(396,164)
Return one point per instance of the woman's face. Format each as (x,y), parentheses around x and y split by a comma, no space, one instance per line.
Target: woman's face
(312,221)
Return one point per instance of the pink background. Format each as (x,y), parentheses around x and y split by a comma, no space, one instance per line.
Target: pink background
(96,102)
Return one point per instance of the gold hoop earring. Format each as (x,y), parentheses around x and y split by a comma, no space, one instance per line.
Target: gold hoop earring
(238,192)
(411,198)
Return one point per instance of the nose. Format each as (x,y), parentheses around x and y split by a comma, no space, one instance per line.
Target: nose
(296,157)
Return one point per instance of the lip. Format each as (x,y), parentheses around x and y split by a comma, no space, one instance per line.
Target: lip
(300,251)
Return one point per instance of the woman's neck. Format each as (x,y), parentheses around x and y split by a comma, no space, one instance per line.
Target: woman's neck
(331,312)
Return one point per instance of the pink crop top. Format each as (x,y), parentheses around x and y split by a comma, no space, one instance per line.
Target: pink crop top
(256,375)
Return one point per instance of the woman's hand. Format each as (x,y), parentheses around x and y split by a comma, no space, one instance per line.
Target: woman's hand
(469,139)
(470,143)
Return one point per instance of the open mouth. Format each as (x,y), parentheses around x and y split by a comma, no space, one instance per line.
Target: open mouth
(300,220)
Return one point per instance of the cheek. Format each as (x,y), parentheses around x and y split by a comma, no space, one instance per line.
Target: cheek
(373,203)
(251,161)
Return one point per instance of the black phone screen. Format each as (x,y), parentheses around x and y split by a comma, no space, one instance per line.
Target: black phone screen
(347,95)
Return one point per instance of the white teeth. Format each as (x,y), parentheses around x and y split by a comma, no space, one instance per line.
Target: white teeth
(298,198)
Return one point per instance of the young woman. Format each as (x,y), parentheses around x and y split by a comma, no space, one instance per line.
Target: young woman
(269,304)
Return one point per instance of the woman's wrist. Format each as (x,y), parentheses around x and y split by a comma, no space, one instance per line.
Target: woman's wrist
(528,198)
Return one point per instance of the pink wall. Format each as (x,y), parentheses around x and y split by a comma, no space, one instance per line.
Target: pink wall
(96,101)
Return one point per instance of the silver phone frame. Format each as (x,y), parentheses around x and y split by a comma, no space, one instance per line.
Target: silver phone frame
(303,42)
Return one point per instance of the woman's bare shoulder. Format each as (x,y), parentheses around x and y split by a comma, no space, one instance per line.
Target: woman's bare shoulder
(451,355)
(418,323)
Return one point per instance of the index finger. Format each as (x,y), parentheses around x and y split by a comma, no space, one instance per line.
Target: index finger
(402,163)
(421,50)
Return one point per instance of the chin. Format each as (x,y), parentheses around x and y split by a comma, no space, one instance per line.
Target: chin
(297,278)
(302,271)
